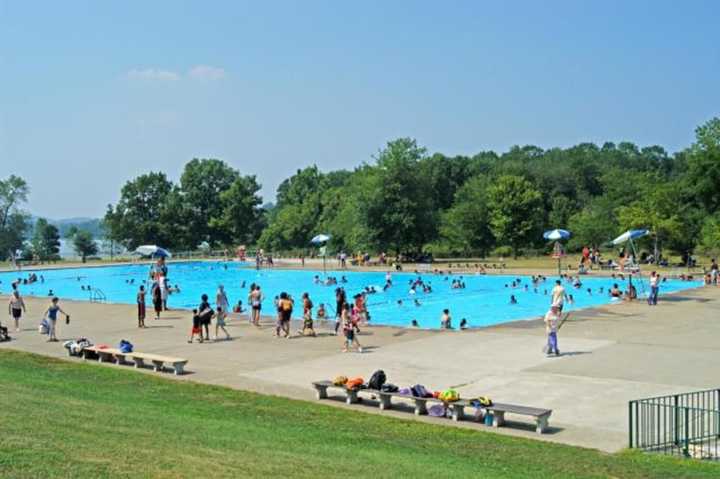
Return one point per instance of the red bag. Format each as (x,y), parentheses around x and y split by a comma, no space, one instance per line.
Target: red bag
(354,383)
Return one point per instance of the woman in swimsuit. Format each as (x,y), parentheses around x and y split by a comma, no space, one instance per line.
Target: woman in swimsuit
(51,314)
(255,299)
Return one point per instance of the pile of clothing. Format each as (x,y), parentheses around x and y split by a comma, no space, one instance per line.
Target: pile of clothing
(4,335)
(75,346)
(378,382)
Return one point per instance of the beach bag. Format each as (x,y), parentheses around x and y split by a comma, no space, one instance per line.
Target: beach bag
(449,395)
(125,346)
(436,410)
(405,391)
(4,336)
(419,391)
(44,327)
(340,381)
(377,379)
(354,383)
(389,388)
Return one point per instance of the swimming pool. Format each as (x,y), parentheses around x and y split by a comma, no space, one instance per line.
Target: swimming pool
(484,301)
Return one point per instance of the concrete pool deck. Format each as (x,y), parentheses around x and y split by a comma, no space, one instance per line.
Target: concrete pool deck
(611,355)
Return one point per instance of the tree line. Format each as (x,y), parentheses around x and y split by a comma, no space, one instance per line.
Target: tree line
(39,240)
(408,201)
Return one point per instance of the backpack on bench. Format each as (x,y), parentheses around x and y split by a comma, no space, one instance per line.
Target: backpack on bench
(377,380)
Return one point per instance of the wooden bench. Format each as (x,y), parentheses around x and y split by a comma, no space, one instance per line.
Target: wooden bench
(456,408)
(158,361)
(118,357)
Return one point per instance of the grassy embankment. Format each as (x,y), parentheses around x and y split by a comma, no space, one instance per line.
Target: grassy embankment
(69,419)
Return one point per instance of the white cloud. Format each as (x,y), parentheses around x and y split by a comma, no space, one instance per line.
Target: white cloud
(206,72)
(154,74)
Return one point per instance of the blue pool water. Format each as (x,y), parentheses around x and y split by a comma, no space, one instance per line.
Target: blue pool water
(484,301)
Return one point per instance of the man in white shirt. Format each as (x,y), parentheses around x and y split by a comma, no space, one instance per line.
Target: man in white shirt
(558,295)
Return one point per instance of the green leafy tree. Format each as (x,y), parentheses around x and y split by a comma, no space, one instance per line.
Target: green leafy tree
(46,240)
(703,163)
(397,207)
(13,221)
(466,226)
(307,202)
(201,184)
(514,206)
(84,244)
(240,217)
(661,210)
(139,217)
(593,226)
(710,235)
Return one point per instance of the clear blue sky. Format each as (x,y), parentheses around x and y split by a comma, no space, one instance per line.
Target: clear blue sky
(95,93)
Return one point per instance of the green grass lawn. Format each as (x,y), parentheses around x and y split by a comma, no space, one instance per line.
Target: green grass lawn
(69,419)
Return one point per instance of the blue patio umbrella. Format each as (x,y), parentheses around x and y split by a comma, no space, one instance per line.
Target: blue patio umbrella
(152,250)
(318,240)
(630,235)
(321,238)
(556,235)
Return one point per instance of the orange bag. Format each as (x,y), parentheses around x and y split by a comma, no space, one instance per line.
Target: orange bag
(354,383)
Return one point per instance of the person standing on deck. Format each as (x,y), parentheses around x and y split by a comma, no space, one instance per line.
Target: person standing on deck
(654,288)
(141,307)
(156,294)
(558,295)
(16,307)
(552,321)
(255,299)
(51,315)
(221,299)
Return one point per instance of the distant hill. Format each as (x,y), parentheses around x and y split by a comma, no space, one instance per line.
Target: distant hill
(93,225)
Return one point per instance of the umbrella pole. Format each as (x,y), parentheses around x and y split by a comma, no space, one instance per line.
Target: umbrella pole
(639,273)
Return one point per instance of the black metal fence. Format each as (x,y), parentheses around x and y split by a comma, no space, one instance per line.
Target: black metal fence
(681,424)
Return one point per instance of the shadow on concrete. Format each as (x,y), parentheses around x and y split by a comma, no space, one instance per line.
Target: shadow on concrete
(680,299)
(574,353)
(369,403)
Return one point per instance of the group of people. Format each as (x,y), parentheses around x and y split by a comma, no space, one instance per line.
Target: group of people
(17,309)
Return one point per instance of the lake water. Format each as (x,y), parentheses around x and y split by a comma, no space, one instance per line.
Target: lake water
(484,301)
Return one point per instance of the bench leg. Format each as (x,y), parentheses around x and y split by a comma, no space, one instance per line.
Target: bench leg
(119,359)
(179,369)
(139,363)
(385,402)
(102,356)
(157,366)
(541,424)
(321,392)
(351,396)
(420,407)
(498,418)
(457,412)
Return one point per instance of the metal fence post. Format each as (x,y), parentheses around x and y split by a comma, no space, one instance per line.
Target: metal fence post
(686,442)
(676,421)
(630,423)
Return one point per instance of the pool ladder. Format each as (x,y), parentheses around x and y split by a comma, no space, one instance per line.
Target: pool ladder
(97,296)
